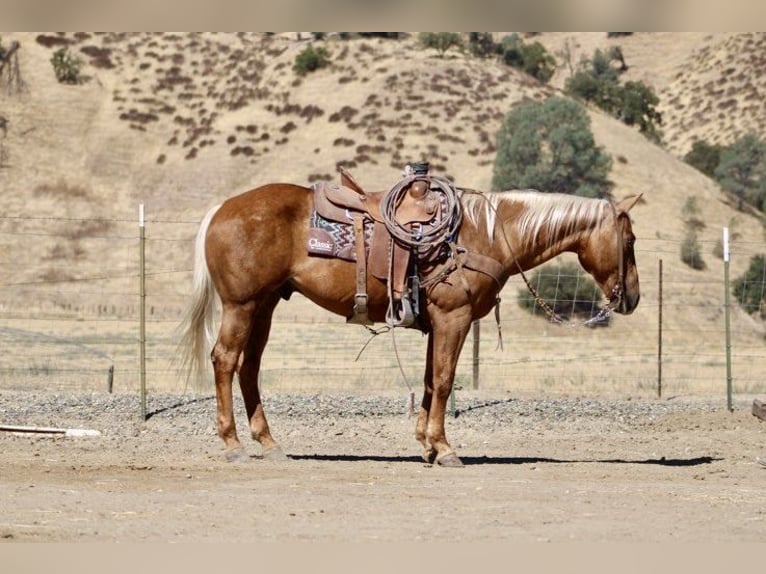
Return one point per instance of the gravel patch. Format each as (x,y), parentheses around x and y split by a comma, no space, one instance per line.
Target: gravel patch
(119,414)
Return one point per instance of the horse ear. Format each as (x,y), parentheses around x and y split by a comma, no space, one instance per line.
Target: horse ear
(627,204)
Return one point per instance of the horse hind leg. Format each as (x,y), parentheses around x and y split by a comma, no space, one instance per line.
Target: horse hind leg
(235,328)
(248,380)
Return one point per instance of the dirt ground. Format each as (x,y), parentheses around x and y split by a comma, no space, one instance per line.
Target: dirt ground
(556,470)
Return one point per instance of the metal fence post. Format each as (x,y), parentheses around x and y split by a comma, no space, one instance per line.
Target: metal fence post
(142,307)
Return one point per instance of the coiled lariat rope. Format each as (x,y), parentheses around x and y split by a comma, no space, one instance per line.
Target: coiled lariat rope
(435,233)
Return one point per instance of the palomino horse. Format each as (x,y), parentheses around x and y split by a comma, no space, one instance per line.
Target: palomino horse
(251,252)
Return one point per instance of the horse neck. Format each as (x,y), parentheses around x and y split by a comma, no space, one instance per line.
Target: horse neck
(541,226)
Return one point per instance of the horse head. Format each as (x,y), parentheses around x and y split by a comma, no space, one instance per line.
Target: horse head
(609,257)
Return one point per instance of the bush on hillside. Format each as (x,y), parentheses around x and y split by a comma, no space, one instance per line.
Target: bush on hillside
(691,253)
(549,146)
(635,103)
(440,41)
(482,44)
(638,107)
(704,157)
(66,66)
(532,59)
(750,288)
(311,59)
(742,170)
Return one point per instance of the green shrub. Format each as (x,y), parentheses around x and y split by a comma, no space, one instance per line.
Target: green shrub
(440,41)
(691,215)
(691,253)
(482,44)
(750,288)
(742,170)
(532,59)
(690,248)
(66,66)
(566,288)
(704,157)
(598,81)
(311,59)
(638,107)
(549,146)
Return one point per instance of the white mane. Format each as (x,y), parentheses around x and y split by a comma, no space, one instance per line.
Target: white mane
(553,214)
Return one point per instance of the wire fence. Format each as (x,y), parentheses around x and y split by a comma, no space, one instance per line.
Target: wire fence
(69,320)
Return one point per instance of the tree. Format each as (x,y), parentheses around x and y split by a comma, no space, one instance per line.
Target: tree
(638,108)
(549,146)
(482,44)
(596,81)
(441,41)
(634,104)
(537,61)
(704,156)
(742,170)
(532,59)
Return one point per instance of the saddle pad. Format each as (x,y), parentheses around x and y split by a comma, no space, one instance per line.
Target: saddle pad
(335,239)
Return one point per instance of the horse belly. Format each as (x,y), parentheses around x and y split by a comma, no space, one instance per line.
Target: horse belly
(331,284)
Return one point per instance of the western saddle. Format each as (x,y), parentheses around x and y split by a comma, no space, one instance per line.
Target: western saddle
(411,225)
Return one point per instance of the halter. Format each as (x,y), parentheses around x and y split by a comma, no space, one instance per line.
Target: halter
(615,297)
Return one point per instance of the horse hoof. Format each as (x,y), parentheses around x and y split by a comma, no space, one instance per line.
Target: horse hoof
(274,454)
(450,460)
(429,456)
(236,454)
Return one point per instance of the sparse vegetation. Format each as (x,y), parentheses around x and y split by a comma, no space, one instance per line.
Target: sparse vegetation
(635,103)
(66,66)
(440,41)
(311,59)
(691,253)
(750,288)
(482,44)
(705,157)
(742,170)
(532,58)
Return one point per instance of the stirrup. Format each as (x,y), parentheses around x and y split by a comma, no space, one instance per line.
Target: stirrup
(360,316)
(405,317)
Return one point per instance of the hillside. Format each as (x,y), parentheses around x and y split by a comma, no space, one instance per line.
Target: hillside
(181,121)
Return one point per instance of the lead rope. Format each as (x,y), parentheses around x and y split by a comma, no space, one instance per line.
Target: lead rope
(374,333)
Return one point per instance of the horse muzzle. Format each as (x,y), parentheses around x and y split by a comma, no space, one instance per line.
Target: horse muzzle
(628,303)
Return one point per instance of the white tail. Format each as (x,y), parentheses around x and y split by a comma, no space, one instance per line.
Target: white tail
(198,335)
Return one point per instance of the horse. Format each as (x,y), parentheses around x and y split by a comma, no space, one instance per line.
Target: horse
(250,253)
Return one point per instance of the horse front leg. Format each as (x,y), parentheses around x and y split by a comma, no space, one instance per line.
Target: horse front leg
(425,404)
(235,329)
(248,381)
(444,346)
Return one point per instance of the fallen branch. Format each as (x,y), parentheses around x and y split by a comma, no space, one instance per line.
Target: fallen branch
(49,430)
